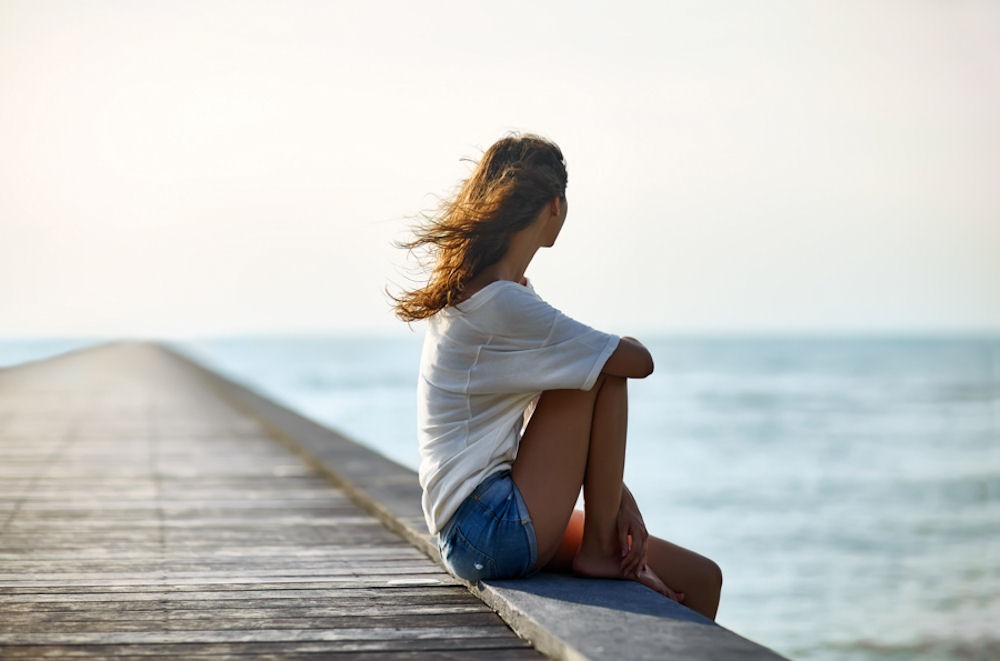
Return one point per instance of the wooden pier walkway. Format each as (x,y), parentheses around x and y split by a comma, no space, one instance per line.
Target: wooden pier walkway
(143,514)
(152,507)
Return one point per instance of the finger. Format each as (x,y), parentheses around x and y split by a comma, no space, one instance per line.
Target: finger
(634,561)
(629,549)
(637,554)
(623,539)
(641,536)
(628,566)
(676,596)
(669,594)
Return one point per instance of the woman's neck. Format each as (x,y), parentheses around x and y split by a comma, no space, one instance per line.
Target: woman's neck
(521,250)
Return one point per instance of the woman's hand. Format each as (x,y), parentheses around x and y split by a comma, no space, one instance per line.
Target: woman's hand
(632,535)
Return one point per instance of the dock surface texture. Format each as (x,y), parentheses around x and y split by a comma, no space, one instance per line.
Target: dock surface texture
(151,507)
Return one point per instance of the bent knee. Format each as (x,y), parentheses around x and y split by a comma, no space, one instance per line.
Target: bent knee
(713,574)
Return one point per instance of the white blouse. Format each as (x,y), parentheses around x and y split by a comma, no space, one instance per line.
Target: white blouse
(483,363)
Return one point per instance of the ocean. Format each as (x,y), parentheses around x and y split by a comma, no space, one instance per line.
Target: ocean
(848,487)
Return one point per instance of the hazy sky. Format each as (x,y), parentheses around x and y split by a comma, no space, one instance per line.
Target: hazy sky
(174,168)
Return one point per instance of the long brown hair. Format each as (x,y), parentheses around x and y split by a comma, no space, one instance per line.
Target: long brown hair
(516,177)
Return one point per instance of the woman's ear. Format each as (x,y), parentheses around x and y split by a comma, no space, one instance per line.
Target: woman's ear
(555,206)
(554,221)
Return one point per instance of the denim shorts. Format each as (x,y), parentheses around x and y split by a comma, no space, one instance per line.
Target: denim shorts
(490,536)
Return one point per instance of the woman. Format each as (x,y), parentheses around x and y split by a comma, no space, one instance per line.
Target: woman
(519,406)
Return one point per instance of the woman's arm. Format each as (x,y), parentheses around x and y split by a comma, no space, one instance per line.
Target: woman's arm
(630,360)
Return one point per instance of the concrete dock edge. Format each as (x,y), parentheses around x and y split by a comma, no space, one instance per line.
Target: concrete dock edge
(562,616)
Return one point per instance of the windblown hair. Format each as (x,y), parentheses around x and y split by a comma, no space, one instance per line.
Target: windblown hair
(516,177)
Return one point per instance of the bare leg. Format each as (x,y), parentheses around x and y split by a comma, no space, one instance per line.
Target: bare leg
(695,576)
(698,577)
(599,553)
(575,438)
(562,561)
(578,437)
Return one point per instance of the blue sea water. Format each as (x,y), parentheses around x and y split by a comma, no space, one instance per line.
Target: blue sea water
(848,487)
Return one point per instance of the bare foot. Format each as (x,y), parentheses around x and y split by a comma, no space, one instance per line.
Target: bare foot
(648,577)
(609,567)
(596,566)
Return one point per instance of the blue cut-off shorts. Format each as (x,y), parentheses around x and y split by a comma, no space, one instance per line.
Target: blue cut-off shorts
(490,536)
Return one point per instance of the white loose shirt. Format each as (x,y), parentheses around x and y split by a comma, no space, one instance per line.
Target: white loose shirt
(483,362)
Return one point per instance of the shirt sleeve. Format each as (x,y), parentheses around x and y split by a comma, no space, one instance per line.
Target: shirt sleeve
(533,347)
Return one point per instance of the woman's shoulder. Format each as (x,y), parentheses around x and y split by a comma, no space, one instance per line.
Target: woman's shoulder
(500,308)
(509,309)
(495,292)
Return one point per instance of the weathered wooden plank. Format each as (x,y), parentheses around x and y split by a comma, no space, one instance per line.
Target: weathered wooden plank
(154,577)
(208,621)
(243,575)
(276,562)
(235,554)
(365,633)
(141,515)
(319,560)
(396,593)
(460,649)
(133,587)
(103,610)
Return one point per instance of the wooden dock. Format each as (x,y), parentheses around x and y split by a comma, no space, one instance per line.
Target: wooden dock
(143,514)
(152,507)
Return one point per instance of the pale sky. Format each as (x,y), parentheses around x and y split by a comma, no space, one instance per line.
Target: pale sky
(183,168)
